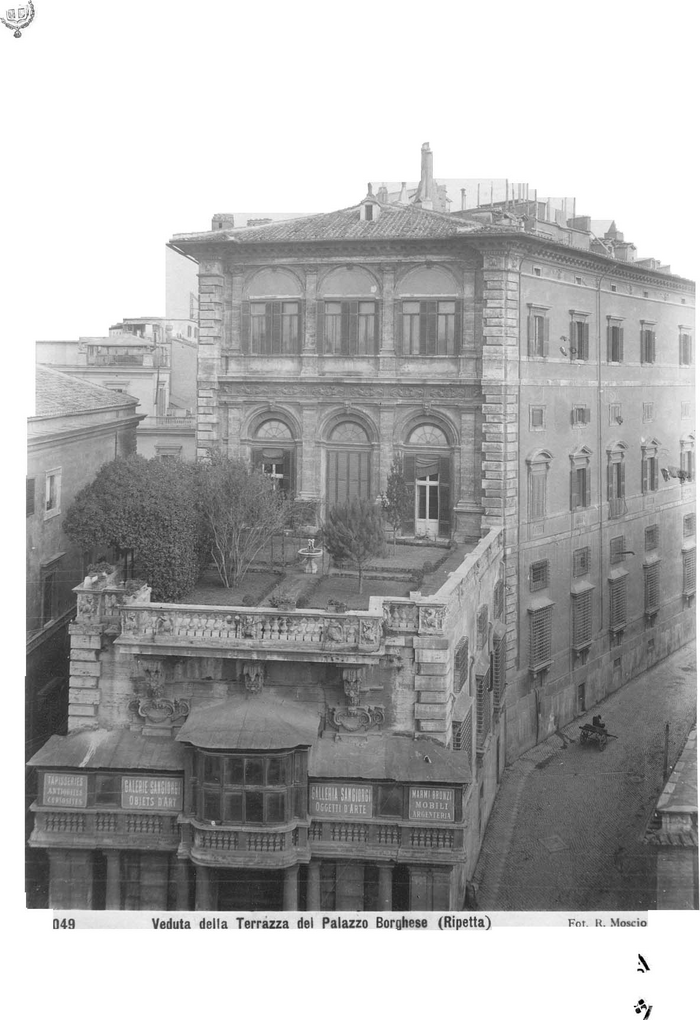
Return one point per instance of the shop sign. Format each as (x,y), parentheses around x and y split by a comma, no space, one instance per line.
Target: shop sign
(340,800)
(61,789)
(431,805)
(151,793)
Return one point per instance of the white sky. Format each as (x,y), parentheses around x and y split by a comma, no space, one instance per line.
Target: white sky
(126,122)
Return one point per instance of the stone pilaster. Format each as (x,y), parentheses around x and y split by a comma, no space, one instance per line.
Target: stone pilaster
(309,474)
(313,886)
(235,335)
(291,888)
(385,894)
(85,669)
(309,352)
(387,346)
(387,417)
(203,891)
(113,898)
(433,685)
(211,316)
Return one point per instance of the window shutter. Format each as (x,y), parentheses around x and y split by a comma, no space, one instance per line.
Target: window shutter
(582,621)
(574,487)
(321,327)
(245,326)
(301,328)
(652,338)
(573,352)
(256,459)
(689,572)
(445,496)
(618,603)
(651,587)
(644,474)
(457,348)
(584,355)
(545,337)
(345,327)
(588,485)
(408,525)
(540,637)
(620,343)
(398,328)
(530,335)
(654,474)
(429,344)
(641,347)
(287,486)
(587,415)
(610,481)
(31,490)
(610,341)
(377,326)
(622,479)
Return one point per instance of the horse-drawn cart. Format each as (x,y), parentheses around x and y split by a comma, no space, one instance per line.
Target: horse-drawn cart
(595,734)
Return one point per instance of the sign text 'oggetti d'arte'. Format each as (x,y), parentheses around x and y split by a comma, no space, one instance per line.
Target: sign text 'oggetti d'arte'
(340,800)
(151,793)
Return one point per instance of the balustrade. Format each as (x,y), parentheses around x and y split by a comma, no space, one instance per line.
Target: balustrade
(106,823)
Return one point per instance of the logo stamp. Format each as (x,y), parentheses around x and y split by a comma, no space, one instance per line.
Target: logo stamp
(18,18)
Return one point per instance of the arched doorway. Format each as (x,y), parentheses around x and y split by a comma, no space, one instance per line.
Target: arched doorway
(273,453)
(348,465)
(428,466)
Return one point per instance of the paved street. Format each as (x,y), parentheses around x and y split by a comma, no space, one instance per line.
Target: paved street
(565,833)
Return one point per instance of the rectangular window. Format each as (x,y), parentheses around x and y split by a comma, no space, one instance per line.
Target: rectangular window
(688,525)
(580,485)
(482,626)
(652,593)
(689,572)
(484,689)
(462,735)
(578,337)
(31,493)
(647,346)
(461,665)
(617,549)
(498,671)
(538,494)
(537,271)
(618,603)
(537,333)
(650,472)
(53,492)
(428,328)
(350,328)
(499,600)
(275,327)
(540,637)
(390,801)
(580,415)
(539,575)
(687,464)
(647,412)
(582,561)
(651,538)
(616,336)
(537,417)
(582,619)
(685,355)
(685,409)
(615,414)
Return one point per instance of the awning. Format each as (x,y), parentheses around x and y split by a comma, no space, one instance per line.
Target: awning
(109,749)
(257,722)
(401,759)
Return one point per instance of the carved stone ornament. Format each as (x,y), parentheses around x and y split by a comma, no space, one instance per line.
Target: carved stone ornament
(431,618)
(161,711)
(356,719)
(253,676)
(352,685)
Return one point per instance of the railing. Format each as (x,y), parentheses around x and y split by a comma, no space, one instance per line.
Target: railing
(406,836)
(322,631)
(618,506)
(169,421)
(95,824)
(145,360)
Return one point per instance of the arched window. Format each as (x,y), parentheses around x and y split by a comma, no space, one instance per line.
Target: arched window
(272,314)
(348,464)
(348,313)
(581,478)
(273,453)
(428,314)
(428,469)
(650,466)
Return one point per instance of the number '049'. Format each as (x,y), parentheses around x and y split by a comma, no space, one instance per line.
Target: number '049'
(63,922)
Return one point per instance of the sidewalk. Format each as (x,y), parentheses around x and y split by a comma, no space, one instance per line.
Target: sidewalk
(565,832)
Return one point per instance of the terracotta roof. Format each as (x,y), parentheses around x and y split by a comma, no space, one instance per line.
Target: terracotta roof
(58,393)
(257,722)
(394,221)
(110,749)
(402,759)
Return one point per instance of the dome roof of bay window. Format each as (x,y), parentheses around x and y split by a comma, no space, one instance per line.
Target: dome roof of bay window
(257,722)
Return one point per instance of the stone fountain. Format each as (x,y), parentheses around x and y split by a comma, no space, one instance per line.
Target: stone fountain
(310,556)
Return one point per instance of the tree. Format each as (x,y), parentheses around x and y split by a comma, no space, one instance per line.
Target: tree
(149,507)
(397,501)
(354,531)
(240,510)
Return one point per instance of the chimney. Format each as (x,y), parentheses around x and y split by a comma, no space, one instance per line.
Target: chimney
(464,199)
(403,194)
(424,195)
(383,194)
(222,221)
